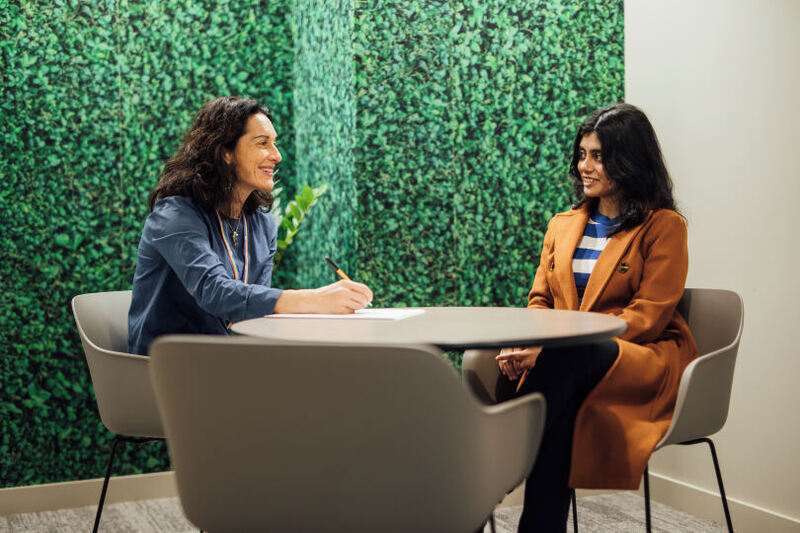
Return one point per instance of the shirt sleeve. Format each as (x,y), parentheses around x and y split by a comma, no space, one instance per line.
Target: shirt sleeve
(180,235)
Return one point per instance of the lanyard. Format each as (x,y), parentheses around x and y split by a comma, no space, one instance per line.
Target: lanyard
(246,273)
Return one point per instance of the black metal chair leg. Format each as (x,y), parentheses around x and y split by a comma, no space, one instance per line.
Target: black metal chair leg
(574,512)
(647,498)
(719,477)
(717,471)
(114,443)
(719,482)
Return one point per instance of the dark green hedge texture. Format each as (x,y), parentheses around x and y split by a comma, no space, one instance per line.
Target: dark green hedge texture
(464,126)
(442,128)
(324,105)
(94,97)
(464,116)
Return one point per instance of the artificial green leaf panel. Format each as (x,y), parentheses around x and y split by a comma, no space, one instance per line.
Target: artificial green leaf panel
(94,96)
(442,129)
(464,117)
(406,153)
(464,125)
(324,105)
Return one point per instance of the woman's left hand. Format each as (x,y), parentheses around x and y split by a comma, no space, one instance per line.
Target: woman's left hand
(514,361)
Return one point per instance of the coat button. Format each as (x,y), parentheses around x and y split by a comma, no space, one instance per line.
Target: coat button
(623,267)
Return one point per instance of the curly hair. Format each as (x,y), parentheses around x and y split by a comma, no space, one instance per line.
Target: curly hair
(632,160)
(198,169)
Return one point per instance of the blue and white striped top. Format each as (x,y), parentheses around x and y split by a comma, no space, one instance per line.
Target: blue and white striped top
(593,242)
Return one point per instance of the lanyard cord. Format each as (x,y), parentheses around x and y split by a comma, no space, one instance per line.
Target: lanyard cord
(246,273)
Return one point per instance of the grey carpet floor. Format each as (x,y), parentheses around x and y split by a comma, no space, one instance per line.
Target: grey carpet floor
(620,512)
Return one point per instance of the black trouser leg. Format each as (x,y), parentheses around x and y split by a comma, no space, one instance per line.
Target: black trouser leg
(565,376)
(546,492)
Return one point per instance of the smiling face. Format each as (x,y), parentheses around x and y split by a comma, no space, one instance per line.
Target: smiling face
(254,157)
(590,165)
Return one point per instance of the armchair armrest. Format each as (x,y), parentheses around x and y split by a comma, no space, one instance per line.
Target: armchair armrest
(480,374)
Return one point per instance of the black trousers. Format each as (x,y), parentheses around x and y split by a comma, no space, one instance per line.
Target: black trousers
(565,376)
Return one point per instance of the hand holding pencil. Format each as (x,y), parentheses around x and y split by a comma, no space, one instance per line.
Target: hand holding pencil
(516,362)
(342,297)
(360,289)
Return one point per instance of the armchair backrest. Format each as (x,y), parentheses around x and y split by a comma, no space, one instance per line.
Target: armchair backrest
(716,319)
(102,319)
(290,437)
(121,381)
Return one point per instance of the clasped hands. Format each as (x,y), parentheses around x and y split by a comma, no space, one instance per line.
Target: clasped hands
(514,361)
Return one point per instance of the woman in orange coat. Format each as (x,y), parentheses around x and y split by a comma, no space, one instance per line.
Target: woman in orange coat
(621,250)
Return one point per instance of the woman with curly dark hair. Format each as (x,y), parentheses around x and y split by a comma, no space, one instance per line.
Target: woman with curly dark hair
(621,250)
(205,256)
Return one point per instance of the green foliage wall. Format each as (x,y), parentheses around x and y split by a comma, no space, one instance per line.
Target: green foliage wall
(323,103)
(94,96)
(442,127)
(464,116)
(406,152)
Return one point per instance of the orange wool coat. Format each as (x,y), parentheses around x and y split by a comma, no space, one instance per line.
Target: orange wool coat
(638,277)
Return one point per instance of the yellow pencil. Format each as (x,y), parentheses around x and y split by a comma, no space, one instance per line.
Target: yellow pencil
(341,273)
(337,269)
(521,379)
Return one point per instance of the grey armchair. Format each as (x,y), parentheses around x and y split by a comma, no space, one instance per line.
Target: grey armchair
(289,437)
(121,381)
(716,318)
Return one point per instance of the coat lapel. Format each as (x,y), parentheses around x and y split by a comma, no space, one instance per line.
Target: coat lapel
(565,249)
(607,264)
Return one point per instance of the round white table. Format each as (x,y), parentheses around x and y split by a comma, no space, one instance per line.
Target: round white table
(448,328)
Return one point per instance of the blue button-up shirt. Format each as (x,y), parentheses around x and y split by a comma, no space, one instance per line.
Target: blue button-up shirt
(184,281)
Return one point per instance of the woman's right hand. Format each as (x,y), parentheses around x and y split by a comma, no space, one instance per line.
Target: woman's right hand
(507,366)
(513,362)
(342,297)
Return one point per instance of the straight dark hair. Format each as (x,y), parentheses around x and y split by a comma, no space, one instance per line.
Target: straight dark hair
(632,160)
(198,169)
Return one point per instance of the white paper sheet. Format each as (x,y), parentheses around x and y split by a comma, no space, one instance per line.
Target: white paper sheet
(385,313)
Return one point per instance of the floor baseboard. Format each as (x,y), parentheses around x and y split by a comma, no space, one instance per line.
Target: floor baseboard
(70,494)
(707,504)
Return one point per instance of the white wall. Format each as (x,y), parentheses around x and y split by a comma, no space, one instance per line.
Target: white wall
(720,80)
